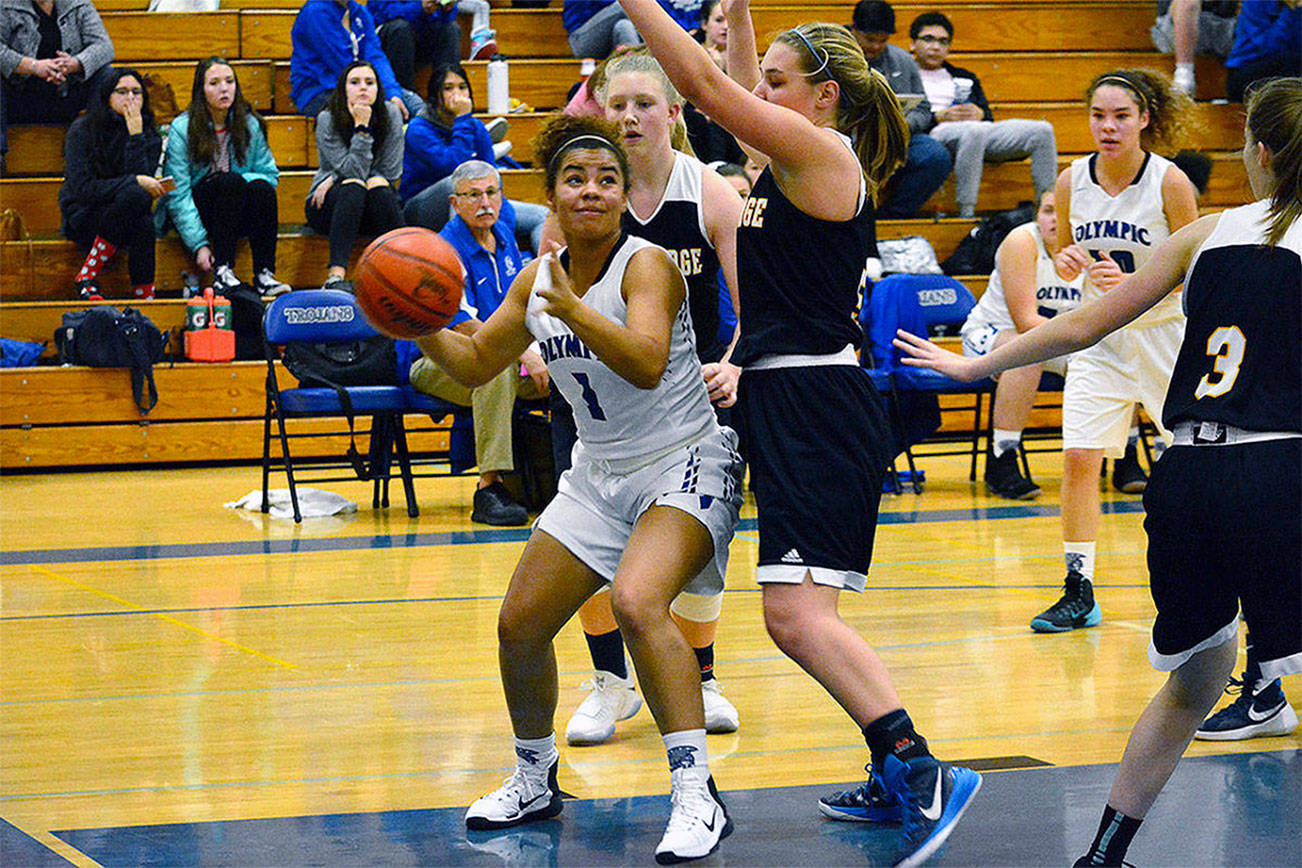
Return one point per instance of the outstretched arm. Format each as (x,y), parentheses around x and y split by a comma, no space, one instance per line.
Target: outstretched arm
(1079,328)
(808,161)
(474,359)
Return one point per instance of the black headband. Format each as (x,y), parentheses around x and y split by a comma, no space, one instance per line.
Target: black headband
(1125,82)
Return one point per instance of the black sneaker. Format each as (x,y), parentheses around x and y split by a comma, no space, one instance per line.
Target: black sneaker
(1076,608)
(1255,713)
(1005,478)
(493,505)
(1127,476)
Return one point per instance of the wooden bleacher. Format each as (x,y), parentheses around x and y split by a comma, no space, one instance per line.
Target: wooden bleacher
(1034,58)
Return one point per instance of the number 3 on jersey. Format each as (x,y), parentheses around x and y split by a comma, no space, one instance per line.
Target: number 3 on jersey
(1226,346)
(590,397)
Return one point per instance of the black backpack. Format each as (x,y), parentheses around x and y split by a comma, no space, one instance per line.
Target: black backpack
(247,309)
(369,362)
(975,254)
(105,337)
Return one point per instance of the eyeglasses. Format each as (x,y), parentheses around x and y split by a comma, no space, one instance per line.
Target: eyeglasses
(934,40)
(472,195)
(127,91)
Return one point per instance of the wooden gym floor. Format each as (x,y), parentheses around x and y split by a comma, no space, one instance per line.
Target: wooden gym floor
(186,684)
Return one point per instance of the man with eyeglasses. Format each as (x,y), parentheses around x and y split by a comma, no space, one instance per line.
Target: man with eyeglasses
(489,253)
(964,123)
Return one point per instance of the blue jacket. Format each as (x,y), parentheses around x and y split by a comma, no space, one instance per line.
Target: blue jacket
(177,207)
(433,151)
(488,276)
(410,10)
(322,48)
(1265,29)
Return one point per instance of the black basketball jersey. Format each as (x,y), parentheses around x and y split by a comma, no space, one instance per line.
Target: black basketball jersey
(799,277)
(678,225)
(1241,360)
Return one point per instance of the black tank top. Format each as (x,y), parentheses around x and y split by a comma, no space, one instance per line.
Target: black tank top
(1241,360)
(678,226)
(799,277)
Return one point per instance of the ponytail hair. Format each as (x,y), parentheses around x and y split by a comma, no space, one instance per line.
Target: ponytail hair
(868,111)
(1170,111)
(1275,119)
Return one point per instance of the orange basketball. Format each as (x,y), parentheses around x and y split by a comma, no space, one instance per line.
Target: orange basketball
(409,282)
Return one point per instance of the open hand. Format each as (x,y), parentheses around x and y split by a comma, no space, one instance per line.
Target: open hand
(319,194)
(922,353)
(537,371)
(559,299)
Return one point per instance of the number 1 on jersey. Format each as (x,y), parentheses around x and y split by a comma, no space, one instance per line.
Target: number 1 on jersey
(590,397)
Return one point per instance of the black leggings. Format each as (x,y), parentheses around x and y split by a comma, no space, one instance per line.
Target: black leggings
(232,208)
(351,209)
(124,222)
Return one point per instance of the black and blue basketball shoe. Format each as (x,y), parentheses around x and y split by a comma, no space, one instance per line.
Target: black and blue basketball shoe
(867,803)
(933,796)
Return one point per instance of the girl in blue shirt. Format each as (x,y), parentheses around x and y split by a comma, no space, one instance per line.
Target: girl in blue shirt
(226,176)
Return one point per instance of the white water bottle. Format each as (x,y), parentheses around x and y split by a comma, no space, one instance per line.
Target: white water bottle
(499,91)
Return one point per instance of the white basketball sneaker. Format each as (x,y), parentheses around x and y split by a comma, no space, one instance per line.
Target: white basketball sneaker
(612,699)
(697,818)
(522,798)
(720,714)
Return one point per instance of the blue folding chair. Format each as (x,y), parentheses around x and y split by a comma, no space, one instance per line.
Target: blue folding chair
(326,316)
(922,304)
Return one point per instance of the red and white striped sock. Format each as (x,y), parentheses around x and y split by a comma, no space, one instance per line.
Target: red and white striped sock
(100,253)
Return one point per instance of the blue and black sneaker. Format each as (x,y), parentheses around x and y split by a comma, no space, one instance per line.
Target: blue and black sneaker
(1076,609)
(867,803)
(933,796)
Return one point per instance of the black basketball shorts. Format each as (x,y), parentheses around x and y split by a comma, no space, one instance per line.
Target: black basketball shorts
(817,442)
(1224,530)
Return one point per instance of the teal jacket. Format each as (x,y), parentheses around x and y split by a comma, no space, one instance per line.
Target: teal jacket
(177,208)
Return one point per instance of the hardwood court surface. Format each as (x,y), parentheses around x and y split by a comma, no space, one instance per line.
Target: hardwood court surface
(170,661)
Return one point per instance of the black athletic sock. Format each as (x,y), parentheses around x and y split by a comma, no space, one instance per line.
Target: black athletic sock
(607,652)
(1252,674)
(1116,831)
(893,733)
(705,659)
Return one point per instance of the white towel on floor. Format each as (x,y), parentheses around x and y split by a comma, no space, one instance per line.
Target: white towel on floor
(312,503)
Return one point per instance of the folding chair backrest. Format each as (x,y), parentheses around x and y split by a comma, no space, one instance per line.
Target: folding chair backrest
(316,316)
(943,300)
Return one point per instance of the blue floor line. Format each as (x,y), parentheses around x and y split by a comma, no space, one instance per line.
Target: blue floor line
(475,537)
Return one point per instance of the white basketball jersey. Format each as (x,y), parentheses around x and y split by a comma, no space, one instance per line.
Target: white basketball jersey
(615,419)
(1053,295)
(1128,226)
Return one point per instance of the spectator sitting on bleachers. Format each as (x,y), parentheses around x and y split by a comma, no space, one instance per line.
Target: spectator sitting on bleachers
(443,136)
(964,122)
(226,176)
(1189,27)
(110,155)
(492,261)
(1267,44)
(50,54)
(327,35)
(359,144)
(426,31)
(928,163)
(1024,291)
(597,27)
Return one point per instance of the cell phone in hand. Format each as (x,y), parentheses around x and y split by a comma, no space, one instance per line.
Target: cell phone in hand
(168,182)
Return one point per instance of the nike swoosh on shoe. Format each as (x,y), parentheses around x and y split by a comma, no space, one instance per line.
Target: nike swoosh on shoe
(933,812)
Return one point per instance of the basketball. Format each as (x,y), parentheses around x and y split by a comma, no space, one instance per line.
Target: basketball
(409,282)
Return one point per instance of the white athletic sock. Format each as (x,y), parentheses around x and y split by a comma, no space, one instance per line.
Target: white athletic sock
(1184,77)
(1132,439)
(1005,440)
(1080,557)
(536,755)
(686,749)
